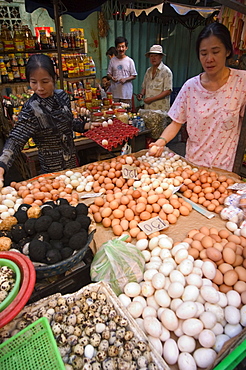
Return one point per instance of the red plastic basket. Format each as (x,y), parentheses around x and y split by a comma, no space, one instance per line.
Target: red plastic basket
(27,285)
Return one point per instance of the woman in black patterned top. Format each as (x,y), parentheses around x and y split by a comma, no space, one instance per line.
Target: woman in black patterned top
(47,118)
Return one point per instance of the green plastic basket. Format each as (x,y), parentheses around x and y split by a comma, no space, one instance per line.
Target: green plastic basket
(32,348)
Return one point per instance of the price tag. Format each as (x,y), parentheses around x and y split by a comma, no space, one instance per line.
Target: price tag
(152,225)
(129,172)
(238,186)
(91,195)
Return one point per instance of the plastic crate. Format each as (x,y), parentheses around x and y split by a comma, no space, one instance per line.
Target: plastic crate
(32,348)
(235,360)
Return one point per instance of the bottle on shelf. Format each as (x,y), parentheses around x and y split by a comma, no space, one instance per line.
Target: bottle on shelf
(29,39)
(22,67)
(15,68)
(3,71)
(92,67)
(43,40)
(64,67)
(81,65)
(87,66)
(8,42)
(19,38)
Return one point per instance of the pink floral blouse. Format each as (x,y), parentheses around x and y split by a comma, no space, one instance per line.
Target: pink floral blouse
(213,118)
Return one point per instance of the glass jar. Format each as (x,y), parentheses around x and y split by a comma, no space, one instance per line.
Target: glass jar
(122,115)
(88,104)
(97,117)
(106,102)
(109,114)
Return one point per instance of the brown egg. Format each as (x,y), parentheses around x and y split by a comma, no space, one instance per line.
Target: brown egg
(230,277)
(171,218)
(218,279)
(214,254)
(115,221)
(193,252)
(140,207)
(97,217)
(141,235)
(118,213)
(145,216)
(124,224)
(231,245)
(204,230)
(234,238)
(224,234)
(106,222)
(243,297)
(241,271)
(218,246)
(106,212)
(207,242)
(134,232)
(240,286)
(117,230)
(196,244)
(192,233)
(129,214)
(225,288)
(224,267)
(229,255)
(203,254)
(184,211)
(99,201)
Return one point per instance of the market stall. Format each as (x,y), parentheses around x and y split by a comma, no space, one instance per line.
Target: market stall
(176,235)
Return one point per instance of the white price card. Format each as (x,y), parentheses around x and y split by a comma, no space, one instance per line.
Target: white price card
(152,225)
(129,172)
(237,186)
(91,195)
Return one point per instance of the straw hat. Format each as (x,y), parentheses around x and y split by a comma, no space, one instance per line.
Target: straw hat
(155,49)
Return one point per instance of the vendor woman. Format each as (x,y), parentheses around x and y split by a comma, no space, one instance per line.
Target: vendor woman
(212,104)
(47,118)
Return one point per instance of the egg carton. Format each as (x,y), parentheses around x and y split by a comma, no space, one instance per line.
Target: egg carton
(112,298)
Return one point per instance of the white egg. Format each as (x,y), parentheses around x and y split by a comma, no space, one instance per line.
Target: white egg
(204,357)
(169,319)
(147,289)
(140,299)
(153,326)
(209,270)
(69,173)
(125,300)
(191,292)
(146,255)
(135,309)
(219,342)
(186,361)
(208,319)
(158,280)
(210,294)
(232,330)
(186,310)
(142,244)
(4,215)
(206,338)
(149,311)
(3,208)
(170,351)
(175,303)
(218,329)
(186,343)
(176,275)
(233,298)
(175,289)
(185,267)
(162,298)
(132,289)
(194,279)
(156,343)
(148,274)
(232,226)
(232,315)
(192,327)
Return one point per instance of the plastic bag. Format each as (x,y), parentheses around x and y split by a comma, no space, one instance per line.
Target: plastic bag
(155,120)
(118,263)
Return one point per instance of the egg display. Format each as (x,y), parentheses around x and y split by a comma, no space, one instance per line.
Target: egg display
(185,313)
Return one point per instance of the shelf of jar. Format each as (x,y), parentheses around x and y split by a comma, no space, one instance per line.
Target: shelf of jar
(33,51)
(70,79)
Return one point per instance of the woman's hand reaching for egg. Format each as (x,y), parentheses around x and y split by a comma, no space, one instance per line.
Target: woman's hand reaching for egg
(156,149)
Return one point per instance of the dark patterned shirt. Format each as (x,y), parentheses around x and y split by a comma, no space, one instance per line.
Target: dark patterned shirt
(50,123)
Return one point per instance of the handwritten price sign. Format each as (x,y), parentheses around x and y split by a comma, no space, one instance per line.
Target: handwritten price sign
(129,172)
(152,225)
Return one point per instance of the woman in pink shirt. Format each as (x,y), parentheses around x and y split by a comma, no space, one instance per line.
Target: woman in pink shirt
(212,104)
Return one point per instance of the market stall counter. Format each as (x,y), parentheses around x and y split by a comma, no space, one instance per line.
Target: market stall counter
(185,233)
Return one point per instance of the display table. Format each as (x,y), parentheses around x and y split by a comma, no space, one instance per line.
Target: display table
(82,143)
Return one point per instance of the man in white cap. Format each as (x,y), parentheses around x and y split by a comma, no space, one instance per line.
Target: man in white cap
(158,82)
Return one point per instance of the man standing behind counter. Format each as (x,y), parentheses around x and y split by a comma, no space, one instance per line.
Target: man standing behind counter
(121,72)
(158,82)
